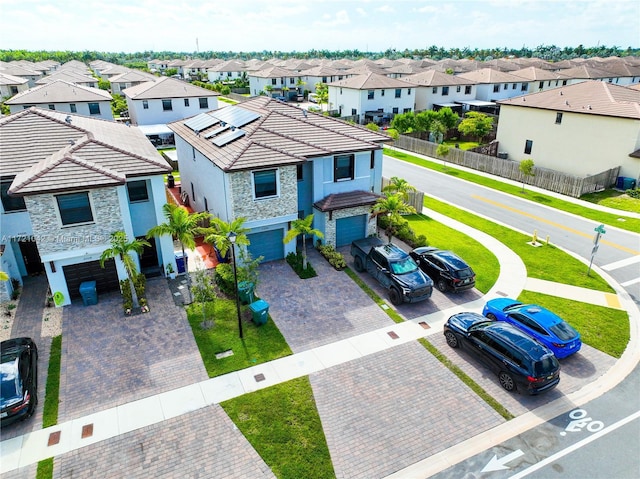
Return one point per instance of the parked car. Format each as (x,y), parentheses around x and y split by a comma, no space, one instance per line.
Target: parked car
(18,379)
(547,327)
(447,270)
(312,98)
(521,362)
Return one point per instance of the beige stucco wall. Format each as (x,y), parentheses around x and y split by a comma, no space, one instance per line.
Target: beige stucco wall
(583,144)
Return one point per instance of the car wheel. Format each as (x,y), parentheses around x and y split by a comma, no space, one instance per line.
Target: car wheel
(357,263)
(491,316)
(394,297)
(442,285)
(506,381)
(452,340)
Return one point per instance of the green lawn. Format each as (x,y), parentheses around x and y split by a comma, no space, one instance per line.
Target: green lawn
(630,224)
(463,145)
(614,199)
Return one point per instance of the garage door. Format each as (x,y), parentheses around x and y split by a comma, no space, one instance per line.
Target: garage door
(106,278)
(268,244)
(350,229)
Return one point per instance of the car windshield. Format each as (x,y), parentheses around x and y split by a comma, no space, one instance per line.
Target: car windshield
(464,273)
(10,384)
(564,331)
(545,366)
(513,306)
(404,266)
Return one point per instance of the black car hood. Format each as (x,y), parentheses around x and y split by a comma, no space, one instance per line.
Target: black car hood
(414,280)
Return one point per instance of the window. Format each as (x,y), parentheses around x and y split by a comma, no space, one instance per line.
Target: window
(506,86)
(541,85)
(94,108)
(513,87)
(193,192)
(458,88)
(273,81)
(406,110)
(408,91)
(72,107)
(324,79)
(137,191)
(395,110)
(343,167)
(467,90)
(445,91)
(74,208)
(496,88)
(206,204)
(14,90)
(528,145)
(525,87)
(300,173)
(564,82)
(434,90)
(204,102)
(370,95)
(52,107)
(265,183)
(145,104)
(291,80)
(11,203)
(341,90)
(166,105)
(398,92)
(372,164)
(186,102)
(354,111)
(558,118)
(381,92)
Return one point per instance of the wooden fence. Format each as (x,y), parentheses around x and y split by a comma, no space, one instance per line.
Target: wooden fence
(544,178)
(416,198)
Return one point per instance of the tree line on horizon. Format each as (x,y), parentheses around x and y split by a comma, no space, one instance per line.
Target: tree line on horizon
(544,52)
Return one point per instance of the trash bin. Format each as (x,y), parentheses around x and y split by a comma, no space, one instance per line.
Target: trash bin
(628,184)
(171,181)
(182,262)
(620,182)
(88,293)
(260,311)
(245,292)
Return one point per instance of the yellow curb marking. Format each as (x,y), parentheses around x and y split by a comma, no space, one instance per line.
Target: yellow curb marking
(557,225)
(612,300)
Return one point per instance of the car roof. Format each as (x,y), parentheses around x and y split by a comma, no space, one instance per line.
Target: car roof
(446,256)
(519,339)
(392,252)
(542,315)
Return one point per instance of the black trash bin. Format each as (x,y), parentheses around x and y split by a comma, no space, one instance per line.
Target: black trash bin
(89,293)
(259,311)
(171,181)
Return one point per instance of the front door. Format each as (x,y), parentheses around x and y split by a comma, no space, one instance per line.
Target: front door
(31,257)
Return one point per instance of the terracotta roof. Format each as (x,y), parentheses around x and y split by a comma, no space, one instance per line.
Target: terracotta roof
(371,81)
(59,91)
(37,138)
(281,134)
(436,78)
(589,97)
(165,87)
(341,201)
(489,75)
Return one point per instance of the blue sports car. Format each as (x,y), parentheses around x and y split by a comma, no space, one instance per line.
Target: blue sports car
(538,322)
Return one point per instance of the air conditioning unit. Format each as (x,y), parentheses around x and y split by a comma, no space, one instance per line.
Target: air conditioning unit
(503,154)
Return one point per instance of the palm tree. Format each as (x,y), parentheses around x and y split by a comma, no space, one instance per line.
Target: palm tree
(302,227)
(183,226)
(218,234)
(400,186)
(4,276)
(392,206)
(121,248)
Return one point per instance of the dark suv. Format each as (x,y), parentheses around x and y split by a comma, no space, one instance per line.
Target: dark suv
(447,270)
(519,360)
(18,379)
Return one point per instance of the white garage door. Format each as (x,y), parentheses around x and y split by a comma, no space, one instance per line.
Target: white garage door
(350,229)
(268,244)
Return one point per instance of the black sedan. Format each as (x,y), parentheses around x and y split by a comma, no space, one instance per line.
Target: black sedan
(447,270)
(19,379)
(521,362)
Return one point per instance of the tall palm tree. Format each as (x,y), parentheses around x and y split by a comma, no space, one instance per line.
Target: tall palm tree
(183,226)
(121,248)
(399,185)
(392,206)
(302,227)
(218,234)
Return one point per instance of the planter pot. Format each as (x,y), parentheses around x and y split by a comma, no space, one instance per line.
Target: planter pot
(172,275)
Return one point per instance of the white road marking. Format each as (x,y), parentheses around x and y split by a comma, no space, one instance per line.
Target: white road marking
(630,282)
(622,263)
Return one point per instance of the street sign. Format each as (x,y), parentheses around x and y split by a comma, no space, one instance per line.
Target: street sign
(596,243)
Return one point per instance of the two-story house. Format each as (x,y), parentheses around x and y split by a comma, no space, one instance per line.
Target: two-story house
(435,90)
(70,75)
(229,70)
(274,81)
(372,96)
(67,97)
(128,79)
(581,129)
(11,85)
(271,163)
(493,85)
(68,182)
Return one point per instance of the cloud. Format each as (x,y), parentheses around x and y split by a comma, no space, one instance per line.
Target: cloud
(361,11)
(386,9)
(341,18)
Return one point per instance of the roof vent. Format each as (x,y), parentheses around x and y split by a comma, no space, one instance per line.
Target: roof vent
(561,93)
(304,112)
(589,107)
(68,119)
(566,102)
(72,142)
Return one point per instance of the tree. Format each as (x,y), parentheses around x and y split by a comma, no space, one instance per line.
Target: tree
(424,119)
(437,131)
(302,227)
(476,124)
(218,234)
(392,206)
(526,168)
(404,122)
(122,248)
(204,293)
(399,186)
(183,226)
(322,93)
(372,126)
(443,151)
(448,117)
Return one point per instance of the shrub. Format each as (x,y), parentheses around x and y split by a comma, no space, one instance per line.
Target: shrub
(634,193)
(403,232)
(224,278)
(334,257)
(295,261)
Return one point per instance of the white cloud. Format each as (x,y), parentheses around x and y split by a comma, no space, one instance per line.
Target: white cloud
(361,11)
(386,9)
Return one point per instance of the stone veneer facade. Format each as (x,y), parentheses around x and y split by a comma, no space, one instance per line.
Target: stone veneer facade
(244,204)
(330,224)
(52,237)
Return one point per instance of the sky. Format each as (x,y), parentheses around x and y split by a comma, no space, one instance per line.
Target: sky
(296,25)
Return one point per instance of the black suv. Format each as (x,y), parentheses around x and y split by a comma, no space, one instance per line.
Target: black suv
(18,379)
(447,270)
(519,360)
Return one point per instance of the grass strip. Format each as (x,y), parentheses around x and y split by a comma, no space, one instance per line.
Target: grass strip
(282,423)
(52,392)
(618,220)
(45,469)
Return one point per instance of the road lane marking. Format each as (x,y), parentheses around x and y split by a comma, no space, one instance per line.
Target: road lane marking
(630,282)
(621,264)
(576,446)
(554,224)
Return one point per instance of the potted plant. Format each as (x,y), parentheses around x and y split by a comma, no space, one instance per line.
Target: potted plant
(170,271)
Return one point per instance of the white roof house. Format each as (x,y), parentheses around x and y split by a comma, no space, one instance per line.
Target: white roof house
(435,89)
(11,85)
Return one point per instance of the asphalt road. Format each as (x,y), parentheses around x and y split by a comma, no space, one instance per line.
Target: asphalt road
(619,250)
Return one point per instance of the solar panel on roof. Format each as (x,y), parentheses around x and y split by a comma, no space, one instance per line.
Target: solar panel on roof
(235,116)
(200,122)
(229,137)
(217,131)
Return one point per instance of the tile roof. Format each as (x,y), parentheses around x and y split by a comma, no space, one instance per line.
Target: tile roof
(282,134)
(69,75)
(371,81)
(537,74)
(589,97)
(59,91)
(6,79)
(133,76)
(489,75)
(340,201)
(47,153)
(586,72)
(165,87)
(436,78)
(274,72)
